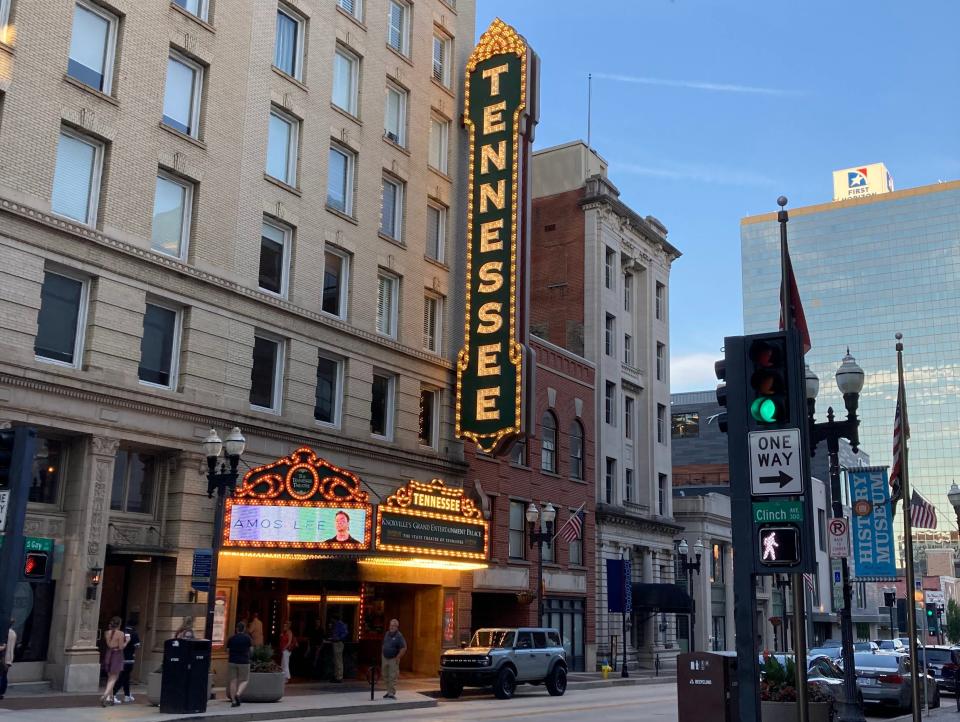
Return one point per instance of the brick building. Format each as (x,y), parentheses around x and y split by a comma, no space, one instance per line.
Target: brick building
(554,465)
(220,214)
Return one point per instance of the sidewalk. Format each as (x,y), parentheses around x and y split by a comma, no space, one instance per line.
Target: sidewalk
(947,712)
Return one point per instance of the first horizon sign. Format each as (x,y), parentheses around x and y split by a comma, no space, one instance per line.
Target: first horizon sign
(775,467)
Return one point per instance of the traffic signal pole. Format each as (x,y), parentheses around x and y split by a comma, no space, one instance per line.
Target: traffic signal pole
(20,443)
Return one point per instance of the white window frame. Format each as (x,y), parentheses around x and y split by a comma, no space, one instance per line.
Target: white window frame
(659,300)
(441,232)
(197,98)
(357,11)
(349,181)
(628,292)
(443,143)
(96,177)
(203,8)
(344,280)
(293,146)
(278,367)
(609,268)
(610,403)
(629,484)
(4,19)
(437,323)
(404,48)
(354,100)
(609,335)
(175,349)
(661,361)
(629,416)
(110,51)
(401,134)
(301,22)
(389,407)
(337,392)
(435,418)
(287,232)
(628,349)
(446,44)
(391,330)
(80,333)
(187,223)
(397,211)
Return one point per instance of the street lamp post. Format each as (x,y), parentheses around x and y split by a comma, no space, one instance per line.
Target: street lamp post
(220,481)
(541,538)
(689,568)
(783,584)
(850,382)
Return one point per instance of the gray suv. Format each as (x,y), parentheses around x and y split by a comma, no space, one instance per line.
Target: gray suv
(503,658)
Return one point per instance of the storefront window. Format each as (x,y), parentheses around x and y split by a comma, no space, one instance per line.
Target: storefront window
(134,482)
(566,616)
(47,470)
(517,531)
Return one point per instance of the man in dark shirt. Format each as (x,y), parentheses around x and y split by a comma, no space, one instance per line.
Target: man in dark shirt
(238,663)
(394,647)
(338,636)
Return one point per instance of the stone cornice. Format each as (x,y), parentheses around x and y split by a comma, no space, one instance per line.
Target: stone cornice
(618,515)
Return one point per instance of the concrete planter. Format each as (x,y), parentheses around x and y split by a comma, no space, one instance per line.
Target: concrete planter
(264,687)
(789,712)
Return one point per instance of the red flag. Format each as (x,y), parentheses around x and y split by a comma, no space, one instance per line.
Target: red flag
(796,308)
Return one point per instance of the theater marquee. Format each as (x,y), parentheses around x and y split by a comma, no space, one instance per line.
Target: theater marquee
(500,113)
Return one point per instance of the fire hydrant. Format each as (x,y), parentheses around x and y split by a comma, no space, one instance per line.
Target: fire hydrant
(605,669)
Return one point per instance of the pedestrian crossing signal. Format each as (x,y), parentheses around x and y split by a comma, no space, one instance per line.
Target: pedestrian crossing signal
(35,565)
(778,545)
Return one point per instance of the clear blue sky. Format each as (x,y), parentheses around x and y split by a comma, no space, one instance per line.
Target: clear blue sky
(707,110)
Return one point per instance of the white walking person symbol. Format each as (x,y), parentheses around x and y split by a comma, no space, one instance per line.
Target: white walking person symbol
(769,547)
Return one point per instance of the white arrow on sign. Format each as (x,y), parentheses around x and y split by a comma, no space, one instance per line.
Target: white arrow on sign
(775,462)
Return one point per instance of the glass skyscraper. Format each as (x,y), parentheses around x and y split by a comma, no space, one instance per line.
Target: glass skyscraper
(867,268)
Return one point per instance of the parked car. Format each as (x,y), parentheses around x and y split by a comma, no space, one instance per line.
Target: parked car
(503,658)
(832,643)
(891,645)
(942,664)
(832,652)
(822,671)
(865,647)
(884,680)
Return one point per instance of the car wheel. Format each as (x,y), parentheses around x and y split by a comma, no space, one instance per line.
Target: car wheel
(450,686)
(557,681)
(506,684)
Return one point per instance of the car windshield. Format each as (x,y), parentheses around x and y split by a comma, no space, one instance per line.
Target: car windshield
(829,651)
(863,646)
(890,661)
(831,642)
(936,656)
(888,644)
(492,638)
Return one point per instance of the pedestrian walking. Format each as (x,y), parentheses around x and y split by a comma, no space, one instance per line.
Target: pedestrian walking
(338,636)
(238,663)
(115,641)
(186,629)
(6,659)
(132,639)
(287,644)
(394,647)
(255,630)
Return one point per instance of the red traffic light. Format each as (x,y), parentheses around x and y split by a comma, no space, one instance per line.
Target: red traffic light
(35,565)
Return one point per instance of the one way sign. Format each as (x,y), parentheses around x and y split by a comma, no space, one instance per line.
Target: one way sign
(775,462)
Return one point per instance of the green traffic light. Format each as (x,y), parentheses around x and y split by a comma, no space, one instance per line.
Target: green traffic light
(764,409)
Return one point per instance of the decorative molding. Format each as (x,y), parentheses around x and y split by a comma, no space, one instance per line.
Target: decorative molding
(103,445)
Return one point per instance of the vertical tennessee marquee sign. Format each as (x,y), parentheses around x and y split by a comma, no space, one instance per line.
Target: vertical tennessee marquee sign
(492,367)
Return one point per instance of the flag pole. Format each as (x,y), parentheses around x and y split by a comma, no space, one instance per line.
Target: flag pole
(785,310)
(908,537)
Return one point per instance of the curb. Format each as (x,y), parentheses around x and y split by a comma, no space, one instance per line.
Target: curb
(572,685)
(256,716)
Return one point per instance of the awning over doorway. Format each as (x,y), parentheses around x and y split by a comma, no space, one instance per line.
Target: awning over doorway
(661,598)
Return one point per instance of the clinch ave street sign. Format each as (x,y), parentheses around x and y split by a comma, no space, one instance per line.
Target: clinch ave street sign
(492,366)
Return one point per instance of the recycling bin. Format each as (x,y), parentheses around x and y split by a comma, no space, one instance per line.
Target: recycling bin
(184,687)
(707,687)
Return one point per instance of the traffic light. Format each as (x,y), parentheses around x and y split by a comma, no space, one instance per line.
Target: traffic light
(933,619)
(768,369)
(6,456)
(720,369)
(35,566)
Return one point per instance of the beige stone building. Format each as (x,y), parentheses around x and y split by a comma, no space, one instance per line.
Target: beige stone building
(222,214)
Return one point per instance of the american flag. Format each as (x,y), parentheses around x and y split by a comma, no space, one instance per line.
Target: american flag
(573,529)
(901,432)
(922,513)
(808,580)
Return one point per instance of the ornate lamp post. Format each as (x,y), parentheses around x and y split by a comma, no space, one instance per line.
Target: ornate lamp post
(220,481)
(540,538)
(689,567)
(850,382)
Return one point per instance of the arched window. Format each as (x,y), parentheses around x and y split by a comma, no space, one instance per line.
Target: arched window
(576,450)
(548,443)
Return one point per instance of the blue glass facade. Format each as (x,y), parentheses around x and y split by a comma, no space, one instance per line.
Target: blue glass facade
(867,269)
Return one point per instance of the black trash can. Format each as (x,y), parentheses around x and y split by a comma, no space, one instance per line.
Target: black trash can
(707,687)
(186,667)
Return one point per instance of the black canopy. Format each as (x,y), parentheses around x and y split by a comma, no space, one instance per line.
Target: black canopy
(661,598)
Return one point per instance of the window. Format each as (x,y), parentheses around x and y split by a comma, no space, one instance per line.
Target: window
(576,450)
(548,442)
(335,267)
(628,483)
(283,138)
(518,451)
(609,269)
(381,406)
(340,180)
(436,231)
(398,26)
(661,422)
(822,529)
(662,494)
(610,402)
(346,77)
(716,564)
(661,353)
(608,343)
(134,482)
(92,46)
(431,324)
(429,413)
(439,133)
(194,7)
(628,349)
(172,205)
(288,50)
(659,301)
(861,592)
(181,97)
(76,178)
(352,7)
(266,375)
(628,416)
(441,59)
(628,292)
(159,346)
(274,257)
(326,408)
(48,465)
(62,316)
(387,287)
(575,549)
(518,532)
(685,425)
(4,20)
(391,209)
(609,480)
(719,633)
(395,120)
